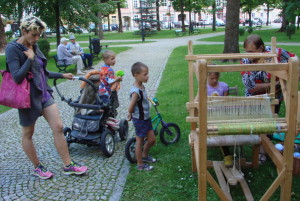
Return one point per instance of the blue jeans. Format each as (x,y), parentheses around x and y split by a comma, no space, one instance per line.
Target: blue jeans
(88,57)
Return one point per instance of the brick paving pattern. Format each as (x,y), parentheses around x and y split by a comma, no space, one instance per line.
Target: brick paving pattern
(106,176)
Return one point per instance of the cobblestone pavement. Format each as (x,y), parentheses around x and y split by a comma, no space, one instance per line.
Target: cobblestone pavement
(106,176)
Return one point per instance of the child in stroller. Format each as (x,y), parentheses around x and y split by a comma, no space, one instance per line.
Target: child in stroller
(94,121)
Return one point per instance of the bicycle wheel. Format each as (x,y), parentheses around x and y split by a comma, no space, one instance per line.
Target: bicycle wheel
(130,150)
(169,133)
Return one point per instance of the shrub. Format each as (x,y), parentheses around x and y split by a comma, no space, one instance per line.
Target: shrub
(241,31)
(44,46)
(9,34)
(250,30)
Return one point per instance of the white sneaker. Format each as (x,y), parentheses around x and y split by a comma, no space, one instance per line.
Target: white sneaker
(80,73)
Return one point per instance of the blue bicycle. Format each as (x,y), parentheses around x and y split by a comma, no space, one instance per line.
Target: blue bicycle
(169,133)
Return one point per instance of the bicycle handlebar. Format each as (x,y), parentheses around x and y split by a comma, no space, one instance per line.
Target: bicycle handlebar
(154,101)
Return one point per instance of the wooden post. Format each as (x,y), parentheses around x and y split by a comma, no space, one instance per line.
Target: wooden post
(291,117)
(191,83)
(273,77)
(202,162)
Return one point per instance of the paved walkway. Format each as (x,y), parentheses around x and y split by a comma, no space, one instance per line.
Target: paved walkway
(107,176)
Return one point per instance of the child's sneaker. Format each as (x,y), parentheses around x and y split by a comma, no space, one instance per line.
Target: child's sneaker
(145,167)
(42,172)
(74,168)
(149,159)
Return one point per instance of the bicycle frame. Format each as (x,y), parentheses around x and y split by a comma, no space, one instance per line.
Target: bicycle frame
(158,118)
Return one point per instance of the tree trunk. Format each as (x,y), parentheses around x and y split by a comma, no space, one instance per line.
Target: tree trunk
(190,18)
(20,10)
(250,17)
(268,13)
(284,20)
(100,27)
(214,15)
(231,44)
(56,10)
(108,23)
(96,28)
(120,18)
(182,16)
(2,36)
(157,15)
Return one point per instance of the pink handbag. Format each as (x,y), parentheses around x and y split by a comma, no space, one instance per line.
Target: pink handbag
(13,94)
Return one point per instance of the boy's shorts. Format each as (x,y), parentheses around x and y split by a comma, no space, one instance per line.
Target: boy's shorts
(142,126)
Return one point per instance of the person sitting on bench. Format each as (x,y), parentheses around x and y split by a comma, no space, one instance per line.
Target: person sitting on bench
(63,54)
(75,49)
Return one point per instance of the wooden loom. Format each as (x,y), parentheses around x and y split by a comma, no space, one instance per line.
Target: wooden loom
(288,76)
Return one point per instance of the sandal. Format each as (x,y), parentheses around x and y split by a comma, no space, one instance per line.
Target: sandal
(262,158)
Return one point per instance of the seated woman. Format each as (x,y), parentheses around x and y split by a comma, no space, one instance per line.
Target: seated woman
(258,82)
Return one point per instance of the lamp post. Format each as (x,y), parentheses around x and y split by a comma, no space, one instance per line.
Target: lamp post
(169,12)
(142,5)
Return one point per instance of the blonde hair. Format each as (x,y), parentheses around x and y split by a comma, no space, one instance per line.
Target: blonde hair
(107,53)
(31,23)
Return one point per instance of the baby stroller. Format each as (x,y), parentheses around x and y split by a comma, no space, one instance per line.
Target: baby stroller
(93,122)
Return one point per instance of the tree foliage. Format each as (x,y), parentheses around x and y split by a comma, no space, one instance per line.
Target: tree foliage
(292,10)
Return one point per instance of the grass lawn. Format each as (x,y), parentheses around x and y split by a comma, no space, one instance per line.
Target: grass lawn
(104,44)
(52,67)
(265,35)
(172,178)
(128,35)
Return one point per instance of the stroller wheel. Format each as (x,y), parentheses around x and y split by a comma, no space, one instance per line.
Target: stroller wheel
(67,132)
(123,129)
(107,143)
(130,150)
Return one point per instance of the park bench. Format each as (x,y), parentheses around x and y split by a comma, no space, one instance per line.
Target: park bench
(179,33)
(61,64)
(196,31)
(257,27)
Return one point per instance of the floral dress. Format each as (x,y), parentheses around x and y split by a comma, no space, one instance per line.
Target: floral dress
(250,78)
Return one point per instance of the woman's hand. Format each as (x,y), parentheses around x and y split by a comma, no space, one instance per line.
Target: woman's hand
(68,76)
(29,53)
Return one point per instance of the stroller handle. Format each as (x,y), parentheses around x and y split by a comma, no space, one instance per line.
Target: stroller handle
(75,104)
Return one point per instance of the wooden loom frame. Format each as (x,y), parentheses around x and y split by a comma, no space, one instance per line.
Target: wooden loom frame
(288,76)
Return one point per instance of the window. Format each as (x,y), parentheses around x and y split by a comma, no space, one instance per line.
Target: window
(136,17)
(164,3)
(135,3)
(126,4)
(172,17)
(165,18)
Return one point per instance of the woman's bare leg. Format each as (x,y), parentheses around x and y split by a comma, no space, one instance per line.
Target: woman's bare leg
(52,116)
(28,146)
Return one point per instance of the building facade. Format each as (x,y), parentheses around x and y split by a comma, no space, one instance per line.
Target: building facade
(167,15)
